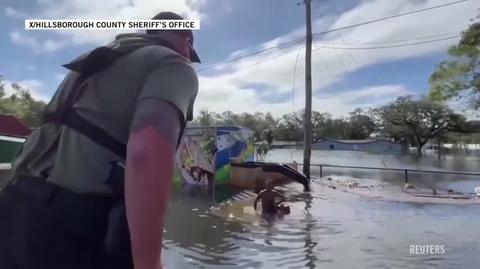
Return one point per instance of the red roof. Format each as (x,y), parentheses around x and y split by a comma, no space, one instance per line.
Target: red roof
(11,126)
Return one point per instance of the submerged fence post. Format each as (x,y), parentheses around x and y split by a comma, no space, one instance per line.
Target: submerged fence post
(406,176)
(321,172)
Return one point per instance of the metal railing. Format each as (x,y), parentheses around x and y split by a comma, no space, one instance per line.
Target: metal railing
(404,170)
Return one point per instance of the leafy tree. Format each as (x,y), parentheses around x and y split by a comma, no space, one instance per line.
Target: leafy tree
(228,118)
(407,120)
(206,118)
(320,124)
(259,122)
(262,150)
(290,127)
(358,126)
(418,121)
(361,125)
(21,104)
(459,76)
(252,122)
(2,88)
(324,126)
(268,134)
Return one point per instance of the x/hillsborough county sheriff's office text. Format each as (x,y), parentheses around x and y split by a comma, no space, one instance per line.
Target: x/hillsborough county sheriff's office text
(112,24)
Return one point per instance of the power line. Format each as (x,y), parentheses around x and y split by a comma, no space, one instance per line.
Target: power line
(334,46)
(388,47)
(293,91)
(348,52)
(389,17)
(294,77)
(339,57)
(285,46)
(397,40)
(267,59)
(298,40)
(327,68)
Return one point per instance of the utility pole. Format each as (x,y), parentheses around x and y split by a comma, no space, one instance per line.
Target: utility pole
(307,121)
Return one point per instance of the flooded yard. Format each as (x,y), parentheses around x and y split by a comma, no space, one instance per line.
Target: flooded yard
(332,229)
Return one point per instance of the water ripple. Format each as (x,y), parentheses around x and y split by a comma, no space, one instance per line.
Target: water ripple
(344,233)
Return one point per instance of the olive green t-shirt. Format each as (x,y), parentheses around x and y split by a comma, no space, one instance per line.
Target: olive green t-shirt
(70,159)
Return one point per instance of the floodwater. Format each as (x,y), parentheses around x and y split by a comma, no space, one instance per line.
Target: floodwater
(461,162)
(340,231)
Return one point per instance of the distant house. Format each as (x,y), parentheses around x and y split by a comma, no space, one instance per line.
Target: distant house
(286,144)
(12,135)
(368,145)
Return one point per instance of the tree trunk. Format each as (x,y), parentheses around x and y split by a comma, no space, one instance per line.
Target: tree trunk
(439,150)
(419,150)
(420,145)
(405,146)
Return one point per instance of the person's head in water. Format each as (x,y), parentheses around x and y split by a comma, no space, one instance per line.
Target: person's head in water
(269,184)
(180,40)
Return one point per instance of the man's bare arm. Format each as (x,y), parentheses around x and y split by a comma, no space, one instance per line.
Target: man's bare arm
(255,202)
(149,169)
(259,196)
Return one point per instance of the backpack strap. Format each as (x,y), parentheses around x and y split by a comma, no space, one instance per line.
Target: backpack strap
(95,133)
(98,60)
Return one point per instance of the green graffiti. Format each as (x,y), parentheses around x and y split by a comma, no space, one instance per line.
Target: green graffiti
(222,174)
(176,182)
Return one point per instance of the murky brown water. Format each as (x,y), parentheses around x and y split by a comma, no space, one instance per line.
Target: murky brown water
(344,231)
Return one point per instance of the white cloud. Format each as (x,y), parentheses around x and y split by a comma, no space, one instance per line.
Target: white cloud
(272,68)
(273,71)
(217,94)
(34,85)
(369,95)
(36,44)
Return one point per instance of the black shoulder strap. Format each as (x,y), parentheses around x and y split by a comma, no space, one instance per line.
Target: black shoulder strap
(98,60)
(96,134)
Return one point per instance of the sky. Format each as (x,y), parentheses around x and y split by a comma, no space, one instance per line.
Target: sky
(345,74)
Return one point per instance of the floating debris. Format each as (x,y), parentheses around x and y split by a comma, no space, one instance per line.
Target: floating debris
(353,184)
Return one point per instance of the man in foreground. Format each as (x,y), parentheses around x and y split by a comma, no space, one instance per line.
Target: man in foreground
(127,103)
